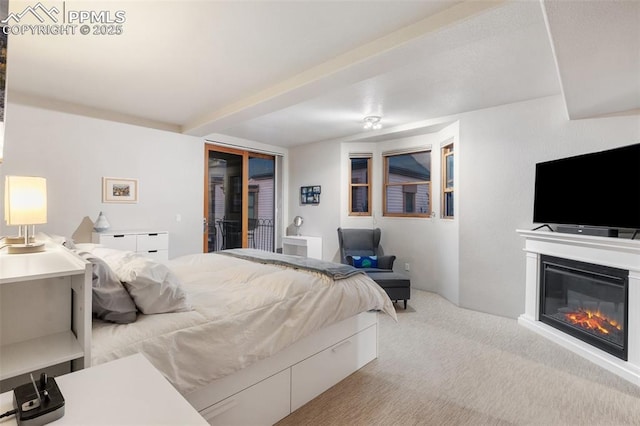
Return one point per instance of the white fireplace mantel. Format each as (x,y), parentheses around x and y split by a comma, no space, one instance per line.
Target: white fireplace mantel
(615,252)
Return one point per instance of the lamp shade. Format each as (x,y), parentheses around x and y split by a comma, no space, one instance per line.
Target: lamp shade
(25,200)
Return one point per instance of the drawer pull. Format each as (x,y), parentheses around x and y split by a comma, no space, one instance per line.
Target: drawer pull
(339,345)
(153,251)
(220,409)
(153,235)
(118,236)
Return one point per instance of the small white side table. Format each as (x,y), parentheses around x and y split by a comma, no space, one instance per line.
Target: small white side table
(302,245)
(127,391)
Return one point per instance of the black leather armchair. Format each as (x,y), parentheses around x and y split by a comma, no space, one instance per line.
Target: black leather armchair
(363,242)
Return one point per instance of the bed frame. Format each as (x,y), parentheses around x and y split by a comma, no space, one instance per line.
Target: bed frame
(271,389)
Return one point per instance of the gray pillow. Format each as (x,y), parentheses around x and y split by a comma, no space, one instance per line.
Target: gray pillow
(152,286)
(110,300)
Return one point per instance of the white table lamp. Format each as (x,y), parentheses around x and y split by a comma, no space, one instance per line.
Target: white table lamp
(25,204)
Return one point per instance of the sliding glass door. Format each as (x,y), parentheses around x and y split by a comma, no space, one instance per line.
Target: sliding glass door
(261,202)
(239,199)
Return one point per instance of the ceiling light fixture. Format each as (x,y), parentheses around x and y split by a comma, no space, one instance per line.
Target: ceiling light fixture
(372,122)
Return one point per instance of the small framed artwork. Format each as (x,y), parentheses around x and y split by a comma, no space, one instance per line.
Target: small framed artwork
(310,194)
(119,190)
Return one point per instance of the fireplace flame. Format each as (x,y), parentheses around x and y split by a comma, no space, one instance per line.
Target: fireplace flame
(591,320)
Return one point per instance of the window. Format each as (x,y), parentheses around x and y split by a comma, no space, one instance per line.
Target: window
(360,186)
(254,191)
(407,184)
(447,182)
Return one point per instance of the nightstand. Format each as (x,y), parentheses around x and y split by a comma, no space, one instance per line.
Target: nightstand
(302,245)
(127,391)
(151,243)
(45,313)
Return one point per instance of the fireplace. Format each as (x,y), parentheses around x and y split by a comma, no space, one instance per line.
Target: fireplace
(587,301)
(620,254)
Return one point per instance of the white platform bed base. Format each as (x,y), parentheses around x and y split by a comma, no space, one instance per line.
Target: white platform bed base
(271,389)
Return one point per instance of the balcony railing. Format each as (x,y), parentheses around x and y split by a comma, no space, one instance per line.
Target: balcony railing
(226,234)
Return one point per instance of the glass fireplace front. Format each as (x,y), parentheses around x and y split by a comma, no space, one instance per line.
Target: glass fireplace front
(586,301)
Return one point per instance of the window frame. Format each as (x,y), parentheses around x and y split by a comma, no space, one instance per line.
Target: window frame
(387,184)
(447,151)
(360,185)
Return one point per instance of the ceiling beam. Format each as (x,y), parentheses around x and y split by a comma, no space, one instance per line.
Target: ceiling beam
(346,68)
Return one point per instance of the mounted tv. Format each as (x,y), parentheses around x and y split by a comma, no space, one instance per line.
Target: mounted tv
(601,189)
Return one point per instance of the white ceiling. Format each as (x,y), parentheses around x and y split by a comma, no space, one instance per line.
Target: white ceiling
(597,44)
(293,72)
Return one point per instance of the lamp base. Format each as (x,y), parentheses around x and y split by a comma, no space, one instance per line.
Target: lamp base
(26,248)
(18,240)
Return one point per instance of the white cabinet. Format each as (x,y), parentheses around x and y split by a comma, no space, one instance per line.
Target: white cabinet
(45,313)
(318,373)
(302,245)
(272,388)
(153,244)
(264,403)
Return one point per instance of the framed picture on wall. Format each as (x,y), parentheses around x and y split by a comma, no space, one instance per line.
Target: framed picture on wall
(310,194)
(119,190)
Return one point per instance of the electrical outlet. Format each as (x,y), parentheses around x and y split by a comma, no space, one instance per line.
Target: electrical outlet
(407,267)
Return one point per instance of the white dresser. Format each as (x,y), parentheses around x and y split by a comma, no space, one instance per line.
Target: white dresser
(153,244)
(302,245)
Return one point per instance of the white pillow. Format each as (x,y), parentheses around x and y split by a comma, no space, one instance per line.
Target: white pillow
(152,286)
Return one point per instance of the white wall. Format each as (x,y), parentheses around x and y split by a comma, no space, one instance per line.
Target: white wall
(475,260)
(75,152)
(429,245)
(446,257)
(499,149)
(317,164)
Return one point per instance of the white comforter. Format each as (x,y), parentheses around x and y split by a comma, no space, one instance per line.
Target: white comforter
(243,312)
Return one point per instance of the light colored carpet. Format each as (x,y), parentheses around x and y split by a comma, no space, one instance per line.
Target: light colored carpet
(442,365)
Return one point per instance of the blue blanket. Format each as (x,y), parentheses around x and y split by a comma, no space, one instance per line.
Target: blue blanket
(336,271)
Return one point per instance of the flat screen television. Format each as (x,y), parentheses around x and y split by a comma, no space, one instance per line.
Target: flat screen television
(601,189)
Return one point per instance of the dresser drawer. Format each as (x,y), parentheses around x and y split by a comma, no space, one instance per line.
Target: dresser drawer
(316,374)
(118,241)
(264,403)
(157,255)
(152,241)
(154,245)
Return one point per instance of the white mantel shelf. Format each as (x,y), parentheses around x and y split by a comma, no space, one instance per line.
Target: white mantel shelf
(614,252)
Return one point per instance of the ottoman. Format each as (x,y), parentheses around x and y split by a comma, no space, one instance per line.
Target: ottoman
(397,286)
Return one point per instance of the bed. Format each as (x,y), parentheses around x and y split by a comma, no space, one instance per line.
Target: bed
(259,339)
